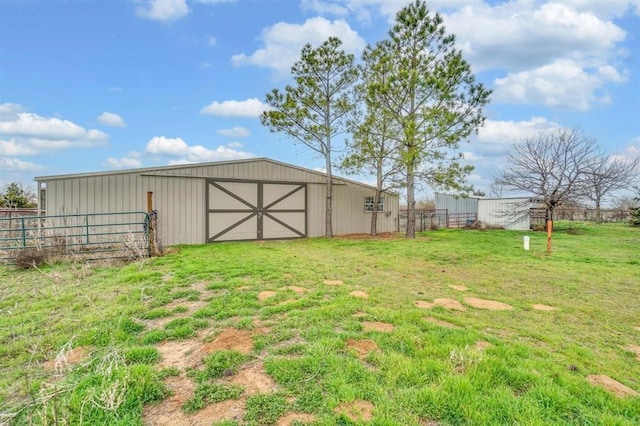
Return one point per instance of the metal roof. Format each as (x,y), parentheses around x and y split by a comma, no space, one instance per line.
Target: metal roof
(150,170)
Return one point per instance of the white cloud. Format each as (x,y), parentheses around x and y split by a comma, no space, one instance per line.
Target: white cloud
(9,111)
(535,46)
(177,147)
(111,119)
(13,149)
(235,145)
(30,134)
(507,132)
(211,41)
(283,43)
(526,34)
(325,7)
(606,9)
(122,163)
(15,165)
(252,107)
(562,84)
(236,132)
(631,152)
(163,10)
(130,161)
(215,1)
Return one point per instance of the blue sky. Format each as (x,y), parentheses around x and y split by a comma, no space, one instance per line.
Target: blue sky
(91,85)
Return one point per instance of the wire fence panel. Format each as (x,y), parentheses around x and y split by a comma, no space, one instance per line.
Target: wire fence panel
(92,236)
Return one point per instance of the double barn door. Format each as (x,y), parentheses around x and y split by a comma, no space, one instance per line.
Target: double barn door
(255,210)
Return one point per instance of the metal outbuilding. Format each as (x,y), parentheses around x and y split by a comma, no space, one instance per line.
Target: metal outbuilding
(509,213)
(254,199)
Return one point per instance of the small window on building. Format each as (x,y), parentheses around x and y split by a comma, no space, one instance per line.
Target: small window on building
(368,204)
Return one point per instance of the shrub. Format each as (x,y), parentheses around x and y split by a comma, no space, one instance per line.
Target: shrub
(30,258)
(635,216)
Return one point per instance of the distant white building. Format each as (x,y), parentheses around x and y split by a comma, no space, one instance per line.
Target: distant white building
(508,213)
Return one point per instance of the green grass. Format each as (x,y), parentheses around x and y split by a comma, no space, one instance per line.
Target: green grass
(531,371)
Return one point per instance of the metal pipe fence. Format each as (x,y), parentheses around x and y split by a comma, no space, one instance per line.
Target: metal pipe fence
(92,236)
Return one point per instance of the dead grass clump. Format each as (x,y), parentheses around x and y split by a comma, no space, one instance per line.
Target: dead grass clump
(31,258)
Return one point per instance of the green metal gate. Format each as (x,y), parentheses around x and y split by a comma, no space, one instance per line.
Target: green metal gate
(93,236)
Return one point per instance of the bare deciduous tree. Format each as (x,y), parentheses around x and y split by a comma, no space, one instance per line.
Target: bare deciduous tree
(605,174)
(551,166)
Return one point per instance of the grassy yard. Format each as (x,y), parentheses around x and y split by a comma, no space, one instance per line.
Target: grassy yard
(454,327)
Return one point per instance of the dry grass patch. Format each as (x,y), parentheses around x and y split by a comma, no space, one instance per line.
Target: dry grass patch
(359,294)
(377,326)
(333,282)
(231,339)
(264,295)
(491,305)
(362,347)
(253,378)
(169,411)
(295,418)
(441,323)
(611,385)
(359,315)
(541,307)
(481,345)
(445,303)
(635,349)
(459,287)
(356,411)
(296,289)
(67,357)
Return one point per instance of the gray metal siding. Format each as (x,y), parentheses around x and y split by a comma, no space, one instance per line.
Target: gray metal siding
(456,205)
(179,197)
(510,213)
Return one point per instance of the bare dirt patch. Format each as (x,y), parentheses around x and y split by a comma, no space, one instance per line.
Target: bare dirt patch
(635,349)
(611,385)
(229,410)
(357,411)
(254,379)
(296,289)
(291,418)
(181,354)
(481,345)
(264,295)
(359,294)
(362,347)
(636,328)
(459,287)
(201,286)
(441,323)
(445,303)
(333,282)
(169,411)
(230,339)
(491,305)
(67,358)
(359,315)
(377,326)
(541,307)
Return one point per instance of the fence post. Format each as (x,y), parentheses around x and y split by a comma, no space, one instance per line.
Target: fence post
(150,229)
(86,221)
(24,234)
